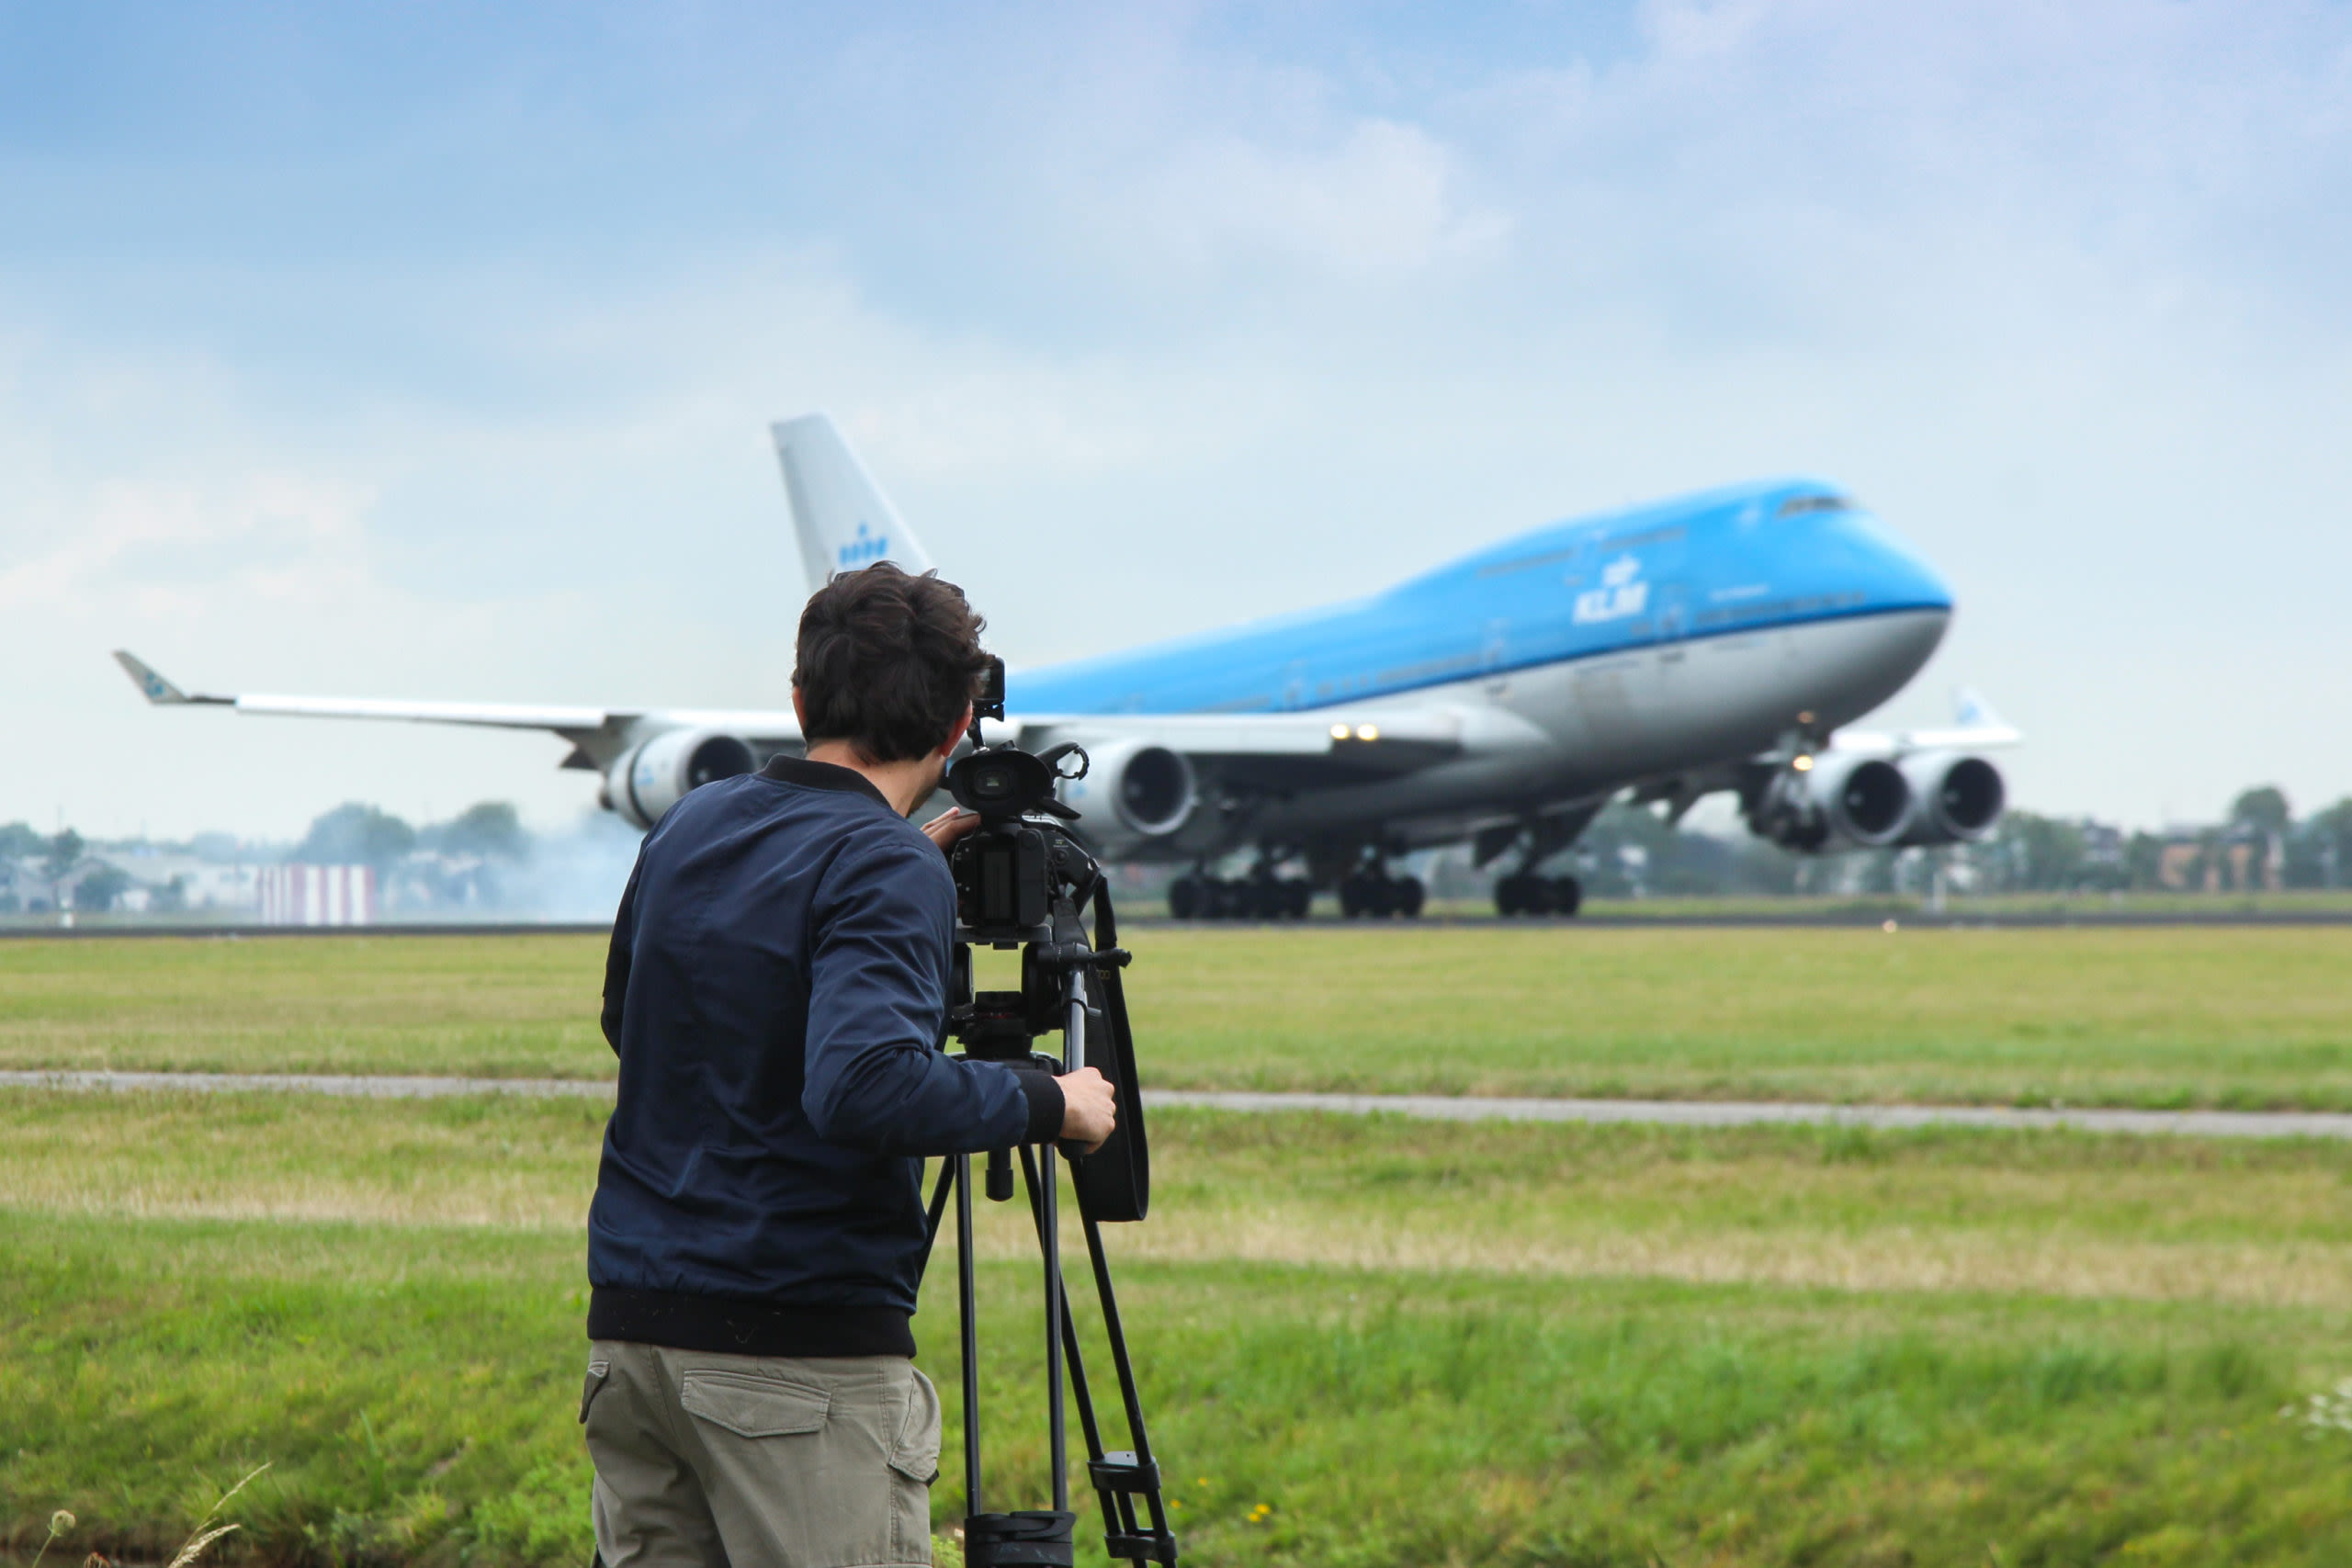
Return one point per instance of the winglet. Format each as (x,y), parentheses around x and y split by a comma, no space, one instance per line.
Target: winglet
(153,687)
(844,520)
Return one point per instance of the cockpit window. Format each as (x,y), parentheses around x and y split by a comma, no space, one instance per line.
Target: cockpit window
(1798,505)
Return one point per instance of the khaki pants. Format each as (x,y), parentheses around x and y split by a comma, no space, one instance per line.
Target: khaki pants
(759,1461)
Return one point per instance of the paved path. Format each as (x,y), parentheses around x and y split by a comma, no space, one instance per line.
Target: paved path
(1149,919)
(1448,1108)
(1753,1112)
(355,1087)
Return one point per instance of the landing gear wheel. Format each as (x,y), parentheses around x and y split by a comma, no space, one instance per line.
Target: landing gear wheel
(1410,895)
(1507,896)
(1298,896)
(1184,898)
(1567,894)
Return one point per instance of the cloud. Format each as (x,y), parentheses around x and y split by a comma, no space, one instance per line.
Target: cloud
(278,537)
(1383,202)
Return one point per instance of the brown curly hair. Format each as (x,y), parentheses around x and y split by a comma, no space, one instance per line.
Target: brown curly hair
(887,661)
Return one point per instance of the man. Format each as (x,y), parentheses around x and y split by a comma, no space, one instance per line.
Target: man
(776,992)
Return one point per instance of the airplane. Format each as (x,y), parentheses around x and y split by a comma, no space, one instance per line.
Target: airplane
(1659,654)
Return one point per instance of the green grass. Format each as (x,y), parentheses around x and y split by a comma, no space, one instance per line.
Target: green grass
(1418,1344)
(2164,1017)
(2266,1223)
(2304,901)
(2247,1018)
(501,1007)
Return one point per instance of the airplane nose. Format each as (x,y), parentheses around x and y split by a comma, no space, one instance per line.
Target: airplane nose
(1900,578)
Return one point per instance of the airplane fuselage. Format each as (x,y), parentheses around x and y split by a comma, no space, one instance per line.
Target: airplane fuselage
(1618,648)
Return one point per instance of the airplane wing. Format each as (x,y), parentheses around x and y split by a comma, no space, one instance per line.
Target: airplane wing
(1975,727)
(502,715)
(598,735)
(1294,751)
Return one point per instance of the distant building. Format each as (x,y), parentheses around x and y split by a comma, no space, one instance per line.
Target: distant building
(2240,859)
(299,895)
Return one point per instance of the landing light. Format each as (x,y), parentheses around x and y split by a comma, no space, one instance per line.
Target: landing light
(1367,732)
(1803,765)
(1338,732)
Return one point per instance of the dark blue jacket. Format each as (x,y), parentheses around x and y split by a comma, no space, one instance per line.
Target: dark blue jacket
(777,994)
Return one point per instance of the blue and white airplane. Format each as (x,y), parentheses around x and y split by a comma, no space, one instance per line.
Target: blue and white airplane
(1718,642)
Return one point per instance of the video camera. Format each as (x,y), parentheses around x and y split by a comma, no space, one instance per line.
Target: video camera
(1010,869)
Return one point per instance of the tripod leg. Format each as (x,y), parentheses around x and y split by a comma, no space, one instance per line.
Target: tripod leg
(967,1319)
(1127,1373)
(1118,1508)
(1049,1244)
(1078,1390)
(936,1213)
(1118,1478)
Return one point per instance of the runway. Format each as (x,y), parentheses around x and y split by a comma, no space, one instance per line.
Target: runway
(1431,1107)
(1857,919)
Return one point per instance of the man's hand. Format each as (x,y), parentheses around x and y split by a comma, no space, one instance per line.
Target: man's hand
(950,825)
(1087,1111)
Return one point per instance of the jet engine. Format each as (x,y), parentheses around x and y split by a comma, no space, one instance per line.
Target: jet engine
(1149,789)
(1836,802)
(650,779)
(1955,798)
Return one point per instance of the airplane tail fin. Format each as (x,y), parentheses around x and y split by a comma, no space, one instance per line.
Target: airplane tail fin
(844,520)
(1972,712)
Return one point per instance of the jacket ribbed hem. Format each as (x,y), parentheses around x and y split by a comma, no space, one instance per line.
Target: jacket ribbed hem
(735,1327)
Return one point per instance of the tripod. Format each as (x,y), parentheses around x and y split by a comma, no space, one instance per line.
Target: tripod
(1000,1026)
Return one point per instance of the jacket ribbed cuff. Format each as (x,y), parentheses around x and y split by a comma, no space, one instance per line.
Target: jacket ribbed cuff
(1044,1106)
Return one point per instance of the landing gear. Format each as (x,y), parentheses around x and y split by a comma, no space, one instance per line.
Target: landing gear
(1537,839)
(1524,893)
(1372,891)
(1198,897)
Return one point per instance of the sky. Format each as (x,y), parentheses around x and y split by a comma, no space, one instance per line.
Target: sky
(428,351)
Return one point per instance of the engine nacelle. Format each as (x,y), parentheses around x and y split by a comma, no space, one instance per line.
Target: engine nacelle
(651,779)
(1955,798)
(1838,803)
(1147,791)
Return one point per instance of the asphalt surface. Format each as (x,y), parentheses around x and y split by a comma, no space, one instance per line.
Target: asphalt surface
(1849,920)
(1446,1108)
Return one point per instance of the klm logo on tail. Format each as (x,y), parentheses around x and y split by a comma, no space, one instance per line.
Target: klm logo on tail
(864,550)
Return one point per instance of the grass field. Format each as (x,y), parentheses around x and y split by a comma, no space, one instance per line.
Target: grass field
(1416,1344)
(2233,1017)
(1412,1343)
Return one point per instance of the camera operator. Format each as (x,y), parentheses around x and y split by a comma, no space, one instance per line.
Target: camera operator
(777,992)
